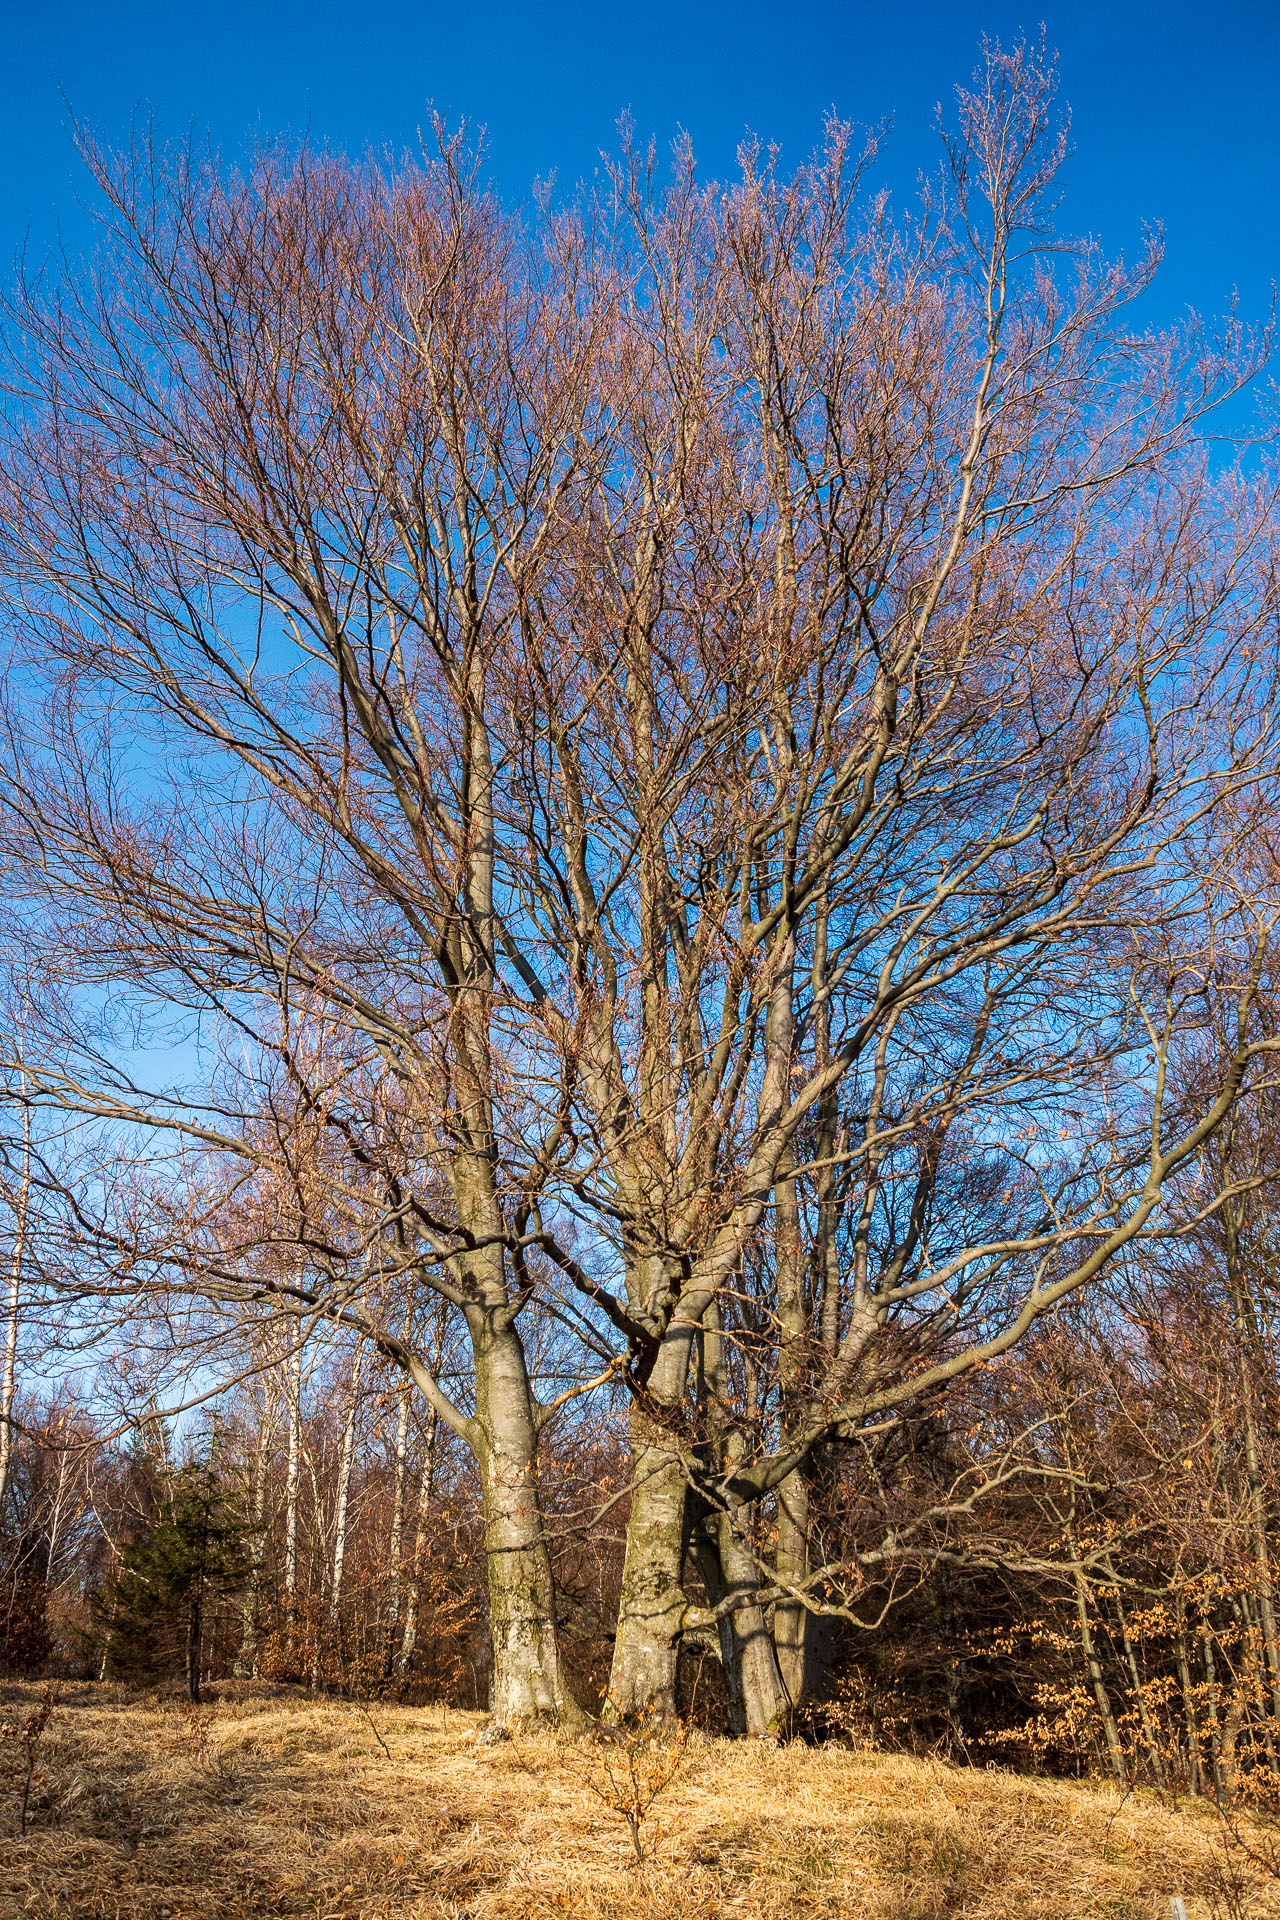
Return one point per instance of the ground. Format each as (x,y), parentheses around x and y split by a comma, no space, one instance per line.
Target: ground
(282,1805)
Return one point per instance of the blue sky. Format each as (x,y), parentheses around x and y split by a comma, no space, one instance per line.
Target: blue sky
(1176,107)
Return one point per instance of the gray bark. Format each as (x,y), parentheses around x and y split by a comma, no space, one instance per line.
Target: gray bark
(652,1607)
(426,1485)
(750,1650)
(765,1700)
(792,1619)
(528,1680)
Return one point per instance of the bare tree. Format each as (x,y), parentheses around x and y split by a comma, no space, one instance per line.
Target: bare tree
(667,777)
(909,649)
(396,394)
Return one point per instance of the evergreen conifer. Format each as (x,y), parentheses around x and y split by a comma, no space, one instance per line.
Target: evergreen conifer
(151,1613)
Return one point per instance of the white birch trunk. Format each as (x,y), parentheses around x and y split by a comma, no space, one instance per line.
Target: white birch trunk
(343,1510)
(396,1549)
(293,1394)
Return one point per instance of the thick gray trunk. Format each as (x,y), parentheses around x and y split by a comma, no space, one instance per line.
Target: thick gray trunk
(758,1702)
(803,1638)
(765,1701)
(779,1674)
(652,1606)
(791,1617)
(750,1653)
(793,1623)
(528,1681)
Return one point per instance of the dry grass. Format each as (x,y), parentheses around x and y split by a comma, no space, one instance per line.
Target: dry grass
(285,1806)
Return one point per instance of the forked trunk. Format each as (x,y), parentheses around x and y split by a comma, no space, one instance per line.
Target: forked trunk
(758,1702)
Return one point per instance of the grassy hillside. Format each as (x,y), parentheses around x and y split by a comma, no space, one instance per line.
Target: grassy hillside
(283,1806)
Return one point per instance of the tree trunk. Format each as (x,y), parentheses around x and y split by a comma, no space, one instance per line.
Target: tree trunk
(293,1463)
(193,1650)
(395,1550)
(528,1682)
(764,1695)
(1115,1748)
(792,1619)
(8,1378)
(343,1509)
(409,1639)
(247,1658)
(652,1607)
(527,1679)
(1149,1734)
(777,1677)
(754,1657)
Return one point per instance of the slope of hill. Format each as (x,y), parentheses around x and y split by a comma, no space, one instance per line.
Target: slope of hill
(264,1805)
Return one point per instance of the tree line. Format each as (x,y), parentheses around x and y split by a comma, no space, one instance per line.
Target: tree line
(640,838)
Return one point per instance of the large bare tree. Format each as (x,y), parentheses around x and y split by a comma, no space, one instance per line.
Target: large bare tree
(909,652)
(635,759)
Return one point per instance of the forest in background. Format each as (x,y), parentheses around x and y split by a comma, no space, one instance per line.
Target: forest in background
(639,955)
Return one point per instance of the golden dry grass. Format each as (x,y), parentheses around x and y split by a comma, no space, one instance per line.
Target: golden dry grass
(288,1806)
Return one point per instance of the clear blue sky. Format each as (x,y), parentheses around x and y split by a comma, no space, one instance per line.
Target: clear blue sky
(1176,106)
